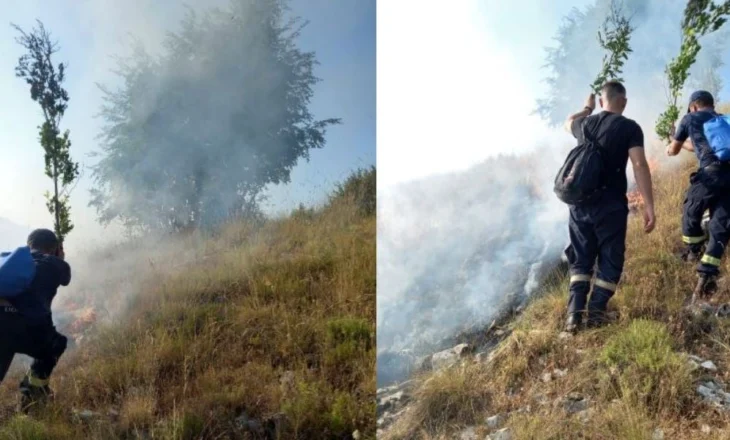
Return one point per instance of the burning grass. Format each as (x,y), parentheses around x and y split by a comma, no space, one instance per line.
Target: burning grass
(633,372)
(273,329)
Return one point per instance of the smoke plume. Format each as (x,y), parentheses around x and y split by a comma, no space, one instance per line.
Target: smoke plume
(455,249)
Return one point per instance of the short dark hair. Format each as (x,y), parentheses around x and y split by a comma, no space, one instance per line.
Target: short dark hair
(613,89)
(43,240)
(704,101)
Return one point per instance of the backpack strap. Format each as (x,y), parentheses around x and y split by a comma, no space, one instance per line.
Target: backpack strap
(594,137)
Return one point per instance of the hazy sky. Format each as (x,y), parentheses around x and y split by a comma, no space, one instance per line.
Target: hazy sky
(341,32)
(457,83)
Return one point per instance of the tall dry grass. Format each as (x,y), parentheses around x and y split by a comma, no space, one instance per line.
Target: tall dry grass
(633,371)
(274,328)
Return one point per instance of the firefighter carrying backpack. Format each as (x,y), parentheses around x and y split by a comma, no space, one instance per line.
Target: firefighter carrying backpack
(717,132)
(581,178)
(17,270)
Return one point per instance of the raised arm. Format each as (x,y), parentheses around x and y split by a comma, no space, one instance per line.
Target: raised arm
(587,110)
(680,138)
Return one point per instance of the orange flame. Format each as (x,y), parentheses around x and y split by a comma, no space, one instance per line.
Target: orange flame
(84,320)
(636,201)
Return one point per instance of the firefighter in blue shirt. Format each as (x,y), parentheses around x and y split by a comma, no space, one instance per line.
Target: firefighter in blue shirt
(26,322)
(708,190)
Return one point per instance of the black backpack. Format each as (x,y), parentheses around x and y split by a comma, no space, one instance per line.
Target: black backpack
(581,179)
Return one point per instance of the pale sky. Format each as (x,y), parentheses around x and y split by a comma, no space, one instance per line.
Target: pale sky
(91,31)
(457,84)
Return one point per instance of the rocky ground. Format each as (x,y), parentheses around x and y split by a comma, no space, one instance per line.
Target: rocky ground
(395,401)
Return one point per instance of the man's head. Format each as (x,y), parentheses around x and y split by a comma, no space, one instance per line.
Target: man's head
(700,100)
(43,241)
(613,97)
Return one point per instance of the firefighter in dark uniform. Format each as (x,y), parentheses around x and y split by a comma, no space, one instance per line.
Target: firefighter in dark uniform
(598,230)
(708,190)
(26,322)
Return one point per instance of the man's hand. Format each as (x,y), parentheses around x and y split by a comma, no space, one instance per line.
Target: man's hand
(649,218)
(590,104)
(591,101)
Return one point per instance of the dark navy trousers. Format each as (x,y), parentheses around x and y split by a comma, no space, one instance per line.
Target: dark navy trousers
(597,241)
(708,190)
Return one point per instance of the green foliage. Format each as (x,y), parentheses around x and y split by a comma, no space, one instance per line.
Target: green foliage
(22,427)
(615,40)
(45,81)
(645,365)
(701,17)
(195,134)
(360,187)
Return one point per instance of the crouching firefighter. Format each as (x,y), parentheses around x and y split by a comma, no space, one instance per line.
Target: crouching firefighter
(593,183)
(706,133)
(29,280)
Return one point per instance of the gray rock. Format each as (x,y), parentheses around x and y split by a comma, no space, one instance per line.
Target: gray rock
(496,421)
(469,433)
(573,403)
(657,435)
(502,434)
(546,377)
(560,373)
(86,415)
(447,358)
(246,423)
(484,357)
(356,435)
(723,311)
(705,391)
(563,336)
(697,359)
(725,396)
(711,385)
(709,365)
(706,429)
(585,415)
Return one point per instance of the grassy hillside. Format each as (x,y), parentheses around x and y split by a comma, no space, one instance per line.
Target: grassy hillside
(269,330)
(634,375)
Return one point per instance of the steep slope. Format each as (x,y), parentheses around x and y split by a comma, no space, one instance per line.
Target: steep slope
(263,330)
(646,376)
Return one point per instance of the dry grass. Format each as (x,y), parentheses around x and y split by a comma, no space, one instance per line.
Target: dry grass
(277,324)
(632,371)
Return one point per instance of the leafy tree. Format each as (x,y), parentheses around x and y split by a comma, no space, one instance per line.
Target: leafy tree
(615,41)
(45,80)
(194,135)
(572,58)
(700,18)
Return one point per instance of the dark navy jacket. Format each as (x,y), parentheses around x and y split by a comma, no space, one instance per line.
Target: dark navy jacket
(691,127)
(35,304)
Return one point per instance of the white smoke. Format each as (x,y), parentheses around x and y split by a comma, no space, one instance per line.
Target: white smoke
(455,249)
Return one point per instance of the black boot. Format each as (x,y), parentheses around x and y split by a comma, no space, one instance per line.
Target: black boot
(691,254)
(598,307)
(574,322)
(706,287)
(32,396)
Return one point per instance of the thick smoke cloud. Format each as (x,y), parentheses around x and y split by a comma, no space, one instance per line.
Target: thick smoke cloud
(454,249)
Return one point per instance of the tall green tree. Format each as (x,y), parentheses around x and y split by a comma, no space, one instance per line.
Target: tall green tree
(45,80)
(614,40)
(196,133)
(701,17)
(571,59)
